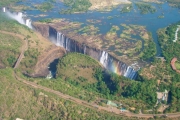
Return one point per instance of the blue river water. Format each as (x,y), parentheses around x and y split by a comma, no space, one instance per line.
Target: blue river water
(151,21)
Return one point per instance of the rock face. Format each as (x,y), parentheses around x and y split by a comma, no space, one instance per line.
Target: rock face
(173,61)
(41,68)
(43,29)
(69,44)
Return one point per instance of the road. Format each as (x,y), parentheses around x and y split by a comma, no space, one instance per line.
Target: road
(93,106)
(73,99)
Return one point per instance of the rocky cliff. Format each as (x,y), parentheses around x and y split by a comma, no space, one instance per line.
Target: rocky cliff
(110,62)
(49,55)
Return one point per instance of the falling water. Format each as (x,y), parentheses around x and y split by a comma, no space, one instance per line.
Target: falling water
(104,59)
(20,17)
(176,34)
(28,23)
(84,49)
(4,9)
(109,62)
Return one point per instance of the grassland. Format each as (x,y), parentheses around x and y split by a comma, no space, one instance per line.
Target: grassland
(82,77)
(85,5)
(126,42)
(76,6)
(106,4)
(20,8)
(145,8)
(20,101)
(44,7)
(4,3)
(18,33)
(177,64)
(175,3)
(89,30)
(9,49)
(126,8)
(161,70)
(82,68)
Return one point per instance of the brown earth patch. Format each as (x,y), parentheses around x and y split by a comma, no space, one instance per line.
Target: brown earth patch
(48,56)
(173,65)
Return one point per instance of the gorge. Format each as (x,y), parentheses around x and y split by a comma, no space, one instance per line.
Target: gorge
(18,16)
(108,61)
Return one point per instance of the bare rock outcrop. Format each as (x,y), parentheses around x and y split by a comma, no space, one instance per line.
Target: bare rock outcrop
(49,55)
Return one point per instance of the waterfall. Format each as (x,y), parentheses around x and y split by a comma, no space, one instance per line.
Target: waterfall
(68,44)
(4,9)
(104,59)
(63,41)
(130,72)
(109,62)
(84,49)
(20,17)
(28,23)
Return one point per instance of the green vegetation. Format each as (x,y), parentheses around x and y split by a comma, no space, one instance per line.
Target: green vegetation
(11,41)
(10,44)
(9,49)
(145,8)
(47,20)
(97,84)
(150,49)
(46,6)
(76,6)
(20,101)
(177,64)
(143,44)
(31,58)
(90,30)
(161,16)
(4,3)
(126,8)
(175,3)
(166,37)
(162,71)
(79,65)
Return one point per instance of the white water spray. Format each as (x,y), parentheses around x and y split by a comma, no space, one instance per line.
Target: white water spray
(20,17)
(4,9)
(104,58)
(28,23)
(176,34)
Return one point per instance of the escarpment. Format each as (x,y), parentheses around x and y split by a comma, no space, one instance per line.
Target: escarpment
(49,55)
(73,44)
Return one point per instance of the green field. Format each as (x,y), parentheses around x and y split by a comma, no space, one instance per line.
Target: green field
(20,101)
(82,77)
(44,7)
(76,6)
(177,64)
(78,67)
(175,3)
(161,69)
(7,2)
(15,37)
(9,49)
(127,8)
(145,8)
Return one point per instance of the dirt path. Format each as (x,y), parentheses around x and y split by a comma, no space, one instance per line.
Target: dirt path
(23,48)
(48,56)
(93,106)
(173,61)
(73,99)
